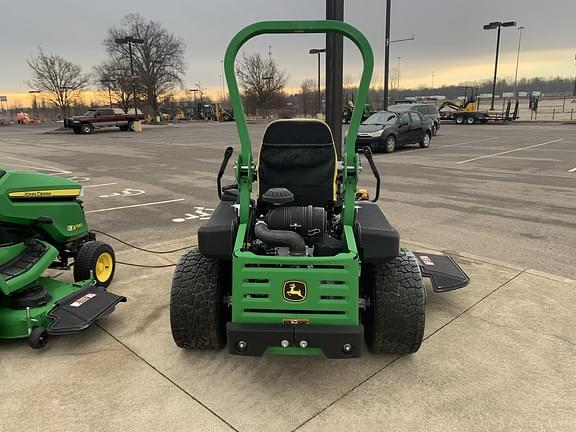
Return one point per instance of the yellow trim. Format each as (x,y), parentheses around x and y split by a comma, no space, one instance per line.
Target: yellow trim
(334,185)
(104,267)
(49,193)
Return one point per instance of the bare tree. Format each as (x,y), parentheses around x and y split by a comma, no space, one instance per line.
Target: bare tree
(113,76)
(261,80)
(307,96)
(61,80)
(158,62)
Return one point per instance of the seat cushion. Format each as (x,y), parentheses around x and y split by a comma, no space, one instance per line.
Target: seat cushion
(299,155)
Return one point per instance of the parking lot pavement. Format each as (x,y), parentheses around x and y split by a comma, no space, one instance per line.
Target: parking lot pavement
(497,355)
(507,192)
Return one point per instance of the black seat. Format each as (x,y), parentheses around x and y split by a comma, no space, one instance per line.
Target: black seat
(299,155)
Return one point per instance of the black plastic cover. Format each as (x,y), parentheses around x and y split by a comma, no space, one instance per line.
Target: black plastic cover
(376,238)
(278,196)
(23,262)
(216,238)
(81,309)
(443,271)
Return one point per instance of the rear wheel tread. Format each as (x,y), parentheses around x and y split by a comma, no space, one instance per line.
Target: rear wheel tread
(196,304)
(398,309)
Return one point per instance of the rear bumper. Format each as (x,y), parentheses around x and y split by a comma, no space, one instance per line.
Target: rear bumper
(333,341)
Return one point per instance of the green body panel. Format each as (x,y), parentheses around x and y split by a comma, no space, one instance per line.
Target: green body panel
(332,288)
(67,213)
(19,282)
(332,282)
(16,323)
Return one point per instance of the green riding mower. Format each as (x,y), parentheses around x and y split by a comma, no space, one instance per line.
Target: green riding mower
(43,226)
(305,265)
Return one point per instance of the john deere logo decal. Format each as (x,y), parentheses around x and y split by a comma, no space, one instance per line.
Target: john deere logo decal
(294,291)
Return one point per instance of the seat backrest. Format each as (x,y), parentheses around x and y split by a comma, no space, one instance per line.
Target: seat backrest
(299,155)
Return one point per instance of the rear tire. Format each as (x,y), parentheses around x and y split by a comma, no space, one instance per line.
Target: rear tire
(434,129)
(425,143)
(395,316)
(390,144)
(459,120)
(198,314)
(95,259)
(471,120)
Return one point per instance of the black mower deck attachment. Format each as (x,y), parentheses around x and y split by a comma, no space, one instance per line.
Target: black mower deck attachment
(443,271)
(79,310)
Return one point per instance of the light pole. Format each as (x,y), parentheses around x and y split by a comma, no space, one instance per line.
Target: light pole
(398,77)
(491,26)
(107,83)
(387,53)
(35,102)
(223,84)
(318,51)
(268,79)
(195,111)
(433,79)
(131,40)
(573,91)
(518,60)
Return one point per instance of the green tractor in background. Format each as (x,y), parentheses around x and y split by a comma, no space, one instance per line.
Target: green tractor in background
(349,108)
(307,265)
(43,226)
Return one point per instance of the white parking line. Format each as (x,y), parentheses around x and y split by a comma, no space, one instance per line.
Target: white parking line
(463,143)
(572,170)
(42,167)
(135,205)
(99,185)
(509,151)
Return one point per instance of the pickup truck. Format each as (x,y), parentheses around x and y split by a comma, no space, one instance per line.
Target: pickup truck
(101,118)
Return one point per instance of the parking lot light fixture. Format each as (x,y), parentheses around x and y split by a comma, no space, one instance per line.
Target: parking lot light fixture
(129,40)
(497,25)
(518,61)
(318,51)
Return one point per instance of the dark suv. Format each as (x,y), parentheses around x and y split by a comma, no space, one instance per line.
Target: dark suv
(427,110)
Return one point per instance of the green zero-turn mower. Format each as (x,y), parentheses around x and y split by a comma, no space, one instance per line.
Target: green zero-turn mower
(306,266)
(42,226)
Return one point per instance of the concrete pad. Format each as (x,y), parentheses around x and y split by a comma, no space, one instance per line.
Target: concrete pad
(128,373)
(90,382)
(508,364)
(260,393)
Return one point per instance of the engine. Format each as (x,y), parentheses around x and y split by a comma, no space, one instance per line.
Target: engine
(281,229)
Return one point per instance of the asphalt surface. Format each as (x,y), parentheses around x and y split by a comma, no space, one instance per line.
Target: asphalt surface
(506,192)
(497,355)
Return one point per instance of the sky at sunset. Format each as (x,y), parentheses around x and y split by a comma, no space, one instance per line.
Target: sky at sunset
(449,42)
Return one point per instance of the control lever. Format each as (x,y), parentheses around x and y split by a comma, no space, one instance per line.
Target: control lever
(227,156)
(368,153)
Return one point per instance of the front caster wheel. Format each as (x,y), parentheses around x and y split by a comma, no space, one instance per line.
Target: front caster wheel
(38,338)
